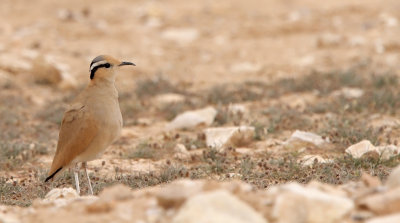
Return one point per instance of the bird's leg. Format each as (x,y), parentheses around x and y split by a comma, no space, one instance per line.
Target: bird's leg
(88,179)
(76,175)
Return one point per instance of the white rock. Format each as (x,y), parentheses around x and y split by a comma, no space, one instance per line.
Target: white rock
(180,148)
(163,100)
(395,218)
(237,109)
(181,35)
(359,149)
(191,119)
(245,67)
(58,193)
(349,93)
(308,137)
(58,197)
(365,146)
(388,151)
(245,151)
(224,136)
(393,180)
(216,207)
(309,160)
(295,203)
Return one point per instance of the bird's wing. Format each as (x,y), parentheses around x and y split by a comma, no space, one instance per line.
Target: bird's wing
(78,130)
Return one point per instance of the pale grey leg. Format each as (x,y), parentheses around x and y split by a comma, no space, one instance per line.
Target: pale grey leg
(88,179)
(76,175)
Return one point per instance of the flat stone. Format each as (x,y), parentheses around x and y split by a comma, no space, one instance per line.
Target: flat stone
(229,136)
(58,197)
(310,160)
(295,203)
(349,93)
(384,152)
(388,151)
(58,193)
(216,207)
(180,148)
(192,119)
(307,137)
(359,149)
(237,109)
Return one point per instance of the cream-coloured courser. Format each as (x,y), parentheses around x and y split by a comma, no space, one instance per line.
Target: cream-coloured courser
(92,122)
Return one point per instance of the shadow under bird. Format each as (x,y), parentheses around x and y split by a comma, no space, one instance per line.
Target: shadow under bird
(92,122)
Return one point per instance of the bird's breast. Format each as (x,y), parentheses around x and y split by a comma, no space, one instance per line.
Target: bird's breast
(108,116)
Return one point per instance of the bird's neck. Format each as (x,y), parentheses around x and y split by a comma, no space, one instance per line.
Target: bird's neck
(104,86)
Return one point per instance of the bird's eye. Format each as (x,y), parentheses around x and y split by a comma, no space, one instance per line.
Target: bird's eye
(107,65)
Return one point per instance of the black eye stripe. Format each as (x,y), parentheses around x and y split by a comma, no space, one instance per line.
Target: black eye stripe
(93,71)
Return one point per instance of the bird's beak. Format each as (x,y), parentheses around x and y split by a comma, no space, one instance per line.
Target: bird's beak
(126,63)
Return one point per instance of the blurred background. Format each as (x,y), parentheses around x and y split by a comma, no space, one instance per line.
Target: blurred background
(328,67)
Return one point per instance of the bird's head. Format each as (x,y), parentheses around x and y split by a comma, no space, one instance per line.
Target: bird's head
(103,67)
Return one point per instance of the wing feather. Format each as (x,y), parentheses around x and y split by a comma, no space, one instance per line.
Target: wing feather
(78,129)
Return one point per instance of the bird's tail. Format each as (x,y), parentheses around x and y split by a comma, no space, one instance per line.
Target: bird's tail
(53,174)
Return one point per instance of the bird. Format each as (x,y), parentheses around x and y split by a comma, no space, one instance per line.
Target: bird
(92,122)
